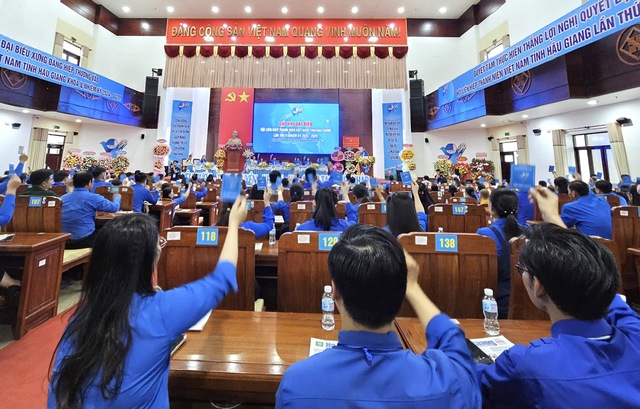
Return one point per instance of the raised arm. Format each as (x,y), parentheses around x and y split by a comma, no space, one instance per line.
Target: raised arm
(379,194)
(548,205)
(9,204)
(416,197)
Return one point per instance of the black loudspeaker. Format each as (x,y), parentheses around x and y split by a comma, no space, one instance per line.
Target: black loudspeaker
(150,101)
(416,88)
(418,114)
(426,140)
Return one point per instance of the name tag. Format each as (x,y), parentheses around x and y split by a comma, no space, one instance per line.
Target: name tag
(207,236)
(302,206)
(51,203)
(447,243)
(326,241)
(624,213)
(304,239)
(438,209)
(422,240)
(124,189)
(459,209)
(371,207)
(115,190)
(35,201)
(173,235)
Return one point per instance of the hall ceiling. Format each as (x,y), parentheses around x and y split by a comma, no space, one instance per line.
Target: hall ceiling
(271,9)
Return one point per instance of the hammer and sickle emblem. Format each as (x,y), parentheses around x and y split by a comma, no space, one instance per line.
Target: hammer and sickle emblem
(231,97)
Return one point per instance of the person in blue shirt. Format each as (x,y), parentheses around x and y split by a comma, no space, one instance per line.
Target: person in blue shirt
(11,285)
(325,217)
(259,229)
(296,194)
(371,276)
(115,350)
(79,211)
(60,178)
(591,358)
(504,207)
(18,171)
(100,179)
(141,194)
(404,213)
(588,213)
(199,194)
(310,176)
(362,195)
(604,187)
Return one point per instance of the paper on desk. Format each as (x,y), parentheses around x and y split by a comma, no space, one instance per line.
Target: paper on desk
(259,247)
(279,218)
(317,345)
(493,346)
(199,326)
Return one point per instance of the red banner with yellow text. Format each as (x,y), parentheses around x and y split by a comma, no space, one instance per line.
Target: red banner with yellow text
(236,114)
(389,32)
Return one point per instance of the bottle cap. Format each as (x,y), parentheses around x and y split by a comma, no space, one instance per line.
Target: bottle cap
(327,288)
(488,292)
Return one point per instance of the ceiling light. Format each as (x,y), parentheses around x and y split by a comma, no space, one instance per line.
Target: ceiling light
(483,125)
(145,25)
(287,26)
(319,25)
(400,10)
(215,9)
(373,39)
(320,9)
(78,120)
(350,25)
(225,25)
(308,39)
(269,39)
(209,39)
(285,10)
(392,25)
(345,39)
(354,9)
(247,9)
(25,111)
(170,9)
(525,116)
(126,9)
(234,38)
(593,102)
(442,10)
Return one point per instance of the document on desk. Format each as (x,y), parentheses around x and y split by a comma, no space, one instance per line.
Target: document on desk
(199,326)
(279,219)
(317,345)
(493,346)
(258,247)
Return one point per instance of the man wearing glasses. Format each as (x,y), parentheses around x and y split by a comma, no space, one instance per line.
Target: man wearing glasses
(591,359)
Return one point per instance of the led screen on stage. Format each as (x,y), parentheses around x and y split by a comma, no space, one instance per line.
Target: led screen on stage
(306,129)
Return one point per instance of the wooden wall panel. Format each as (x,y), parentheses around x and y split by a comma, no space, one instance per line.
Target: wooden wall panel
(417,27)
(133,27)
(485,8)
(107,19)
(86,8)
(214,122)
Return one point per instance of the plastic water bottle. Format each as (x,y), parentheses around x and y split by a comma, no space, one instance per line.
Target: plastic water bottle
(272,237)
(440,230)
(328,322)
(490,310)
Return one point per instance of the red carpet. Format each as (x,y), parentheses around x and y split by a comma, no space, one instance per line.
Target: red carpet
(24,365)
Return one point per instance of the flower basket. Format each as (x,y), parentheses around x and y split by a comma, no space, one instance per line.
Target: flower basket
(120,164)
(161,150)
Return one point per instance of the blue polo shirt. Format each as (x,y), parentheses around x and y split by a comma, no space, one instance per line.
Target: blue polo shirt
(141,194)
(79,211)
(200,195)
(590,215)
(100,183)
(584,364)
(284,208)
(156,320)
(6,211)
(17,171)
(372,370)
(261,229)
(336,224)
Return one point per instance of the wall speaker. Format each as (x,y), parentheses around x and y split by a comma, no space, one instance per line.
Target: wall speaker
(150,101)
(416,88)
(426,140)
(418,114)
(16,125)
(537,132)
(624,121)
(142,136)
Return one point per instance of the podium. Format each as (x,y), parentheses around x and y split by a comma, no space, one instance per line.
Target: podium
(234,164)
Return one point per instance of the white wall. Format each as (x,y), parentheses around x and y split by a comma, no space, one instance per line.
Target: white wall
(31,22)
(12,138)
(427,153)
(541,147)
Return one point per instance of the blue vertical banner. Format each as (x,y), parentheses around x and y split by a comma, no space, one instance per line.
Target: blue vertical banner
(392,134)
(180,130)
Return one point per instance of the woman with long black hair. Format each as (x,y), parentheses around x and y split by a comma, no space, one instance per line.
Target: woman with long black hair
(503,205)
(405,213)
(325,217)
(115,350)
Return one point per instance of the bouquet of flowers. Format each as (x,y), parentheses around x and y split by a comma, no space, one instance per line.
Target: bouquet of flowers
(88,162)
(407,154)
(337,155)
(263,165)
(248,153)
(351,167)
(104,163)
(120,164)
(220,154)
(288,165)
(208,165)
(463,169)
(338,167)
(158,164)
(412,166)
(71,161)
(161,150)
(366,160)
(444,166)
(350,156)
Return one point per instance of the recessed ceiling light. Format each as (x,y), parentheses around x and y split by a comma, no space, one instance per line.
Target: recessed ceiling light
(25,111)
(287,26)
(215,9)
(78,120)
(400,10)
(354,9)
(320,9)
(319,25)
(373,39)
(483,125)
(442,10)
(308,39)
(247,9)
(285,10)
(126,9)
(170,9)
(345,39)
(350,25)
(593,102)
(269,39)
(392,25)
(525,116)
(145,25)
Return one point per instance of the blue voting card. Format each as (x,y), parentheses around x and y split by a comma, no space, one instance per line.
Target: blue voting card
(122,177)
(523,177)
(383,208)
(262,183)
(406,178)
(336,178)
(72,172)
(572,170)
(552,168)
(207,236)
(482,180)
(190,168)
(12,169)
(310,178)
(599,175)
(326,241)
(231,187)
(156,179)
(373,182)
(35,201)
(447,243)
(249,205)
(459,209)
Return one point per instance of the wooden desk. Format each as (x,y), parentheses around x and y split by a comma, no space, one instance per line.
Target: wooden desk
(268,256)
(103,217)
(634,252)
(516,331)
(41,255)
(241,356)
(210,206)
(164,209)
(193,215)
